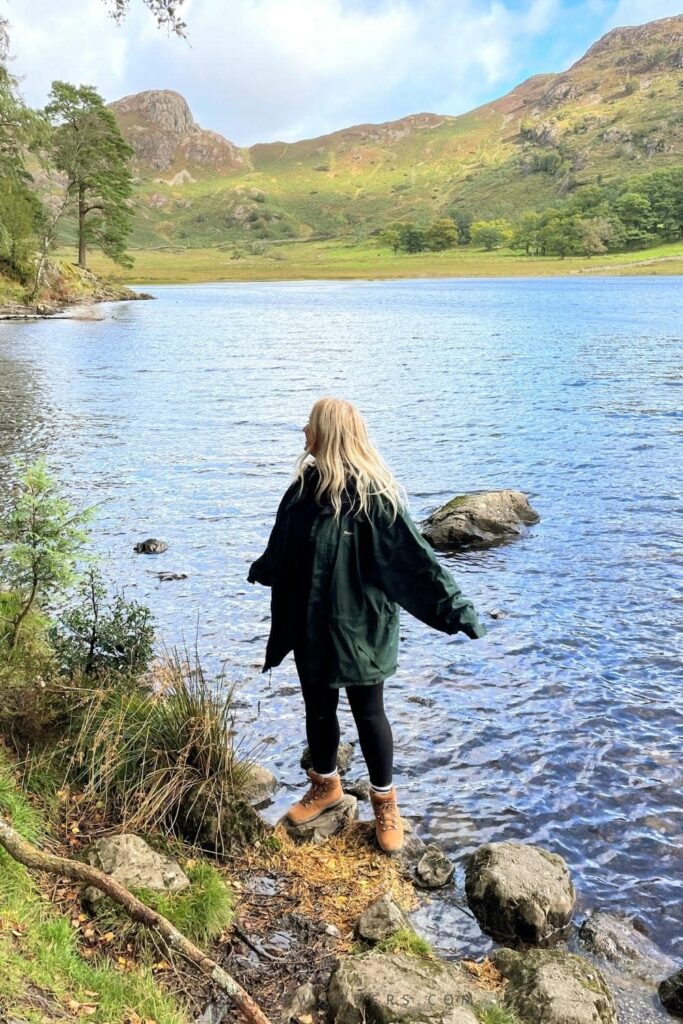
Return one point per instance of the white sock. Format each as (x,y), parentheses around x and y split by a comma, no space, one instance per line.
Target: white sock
(328,775)
(381,789)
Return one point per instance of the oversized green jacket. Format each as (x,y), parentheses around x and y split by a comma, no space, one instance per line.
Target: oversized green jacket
(364,568)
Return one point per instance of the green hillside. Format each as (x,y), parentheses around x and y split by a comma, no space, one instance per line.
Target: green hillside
(617,112)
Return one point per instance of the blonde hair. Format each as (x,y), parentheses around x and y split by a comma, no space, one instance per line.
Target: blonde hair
(345,453)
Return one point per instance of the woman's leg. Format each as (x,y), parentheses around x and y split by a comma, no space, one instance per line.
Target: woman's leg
(322,724)
(374,731)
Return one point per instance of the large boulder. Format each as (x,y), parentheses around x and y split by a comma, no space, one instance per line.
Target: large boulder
(134,864)
(551,986)
(614,938)
(478,520)
(518,892)
(671,993)
(381,988)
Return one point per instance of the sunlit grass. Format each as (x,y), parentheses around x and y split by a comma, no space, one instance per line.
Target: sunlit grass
(339,260)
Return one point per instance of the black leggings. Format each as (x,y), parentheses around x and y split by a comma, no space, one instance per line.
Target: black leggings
(322,726)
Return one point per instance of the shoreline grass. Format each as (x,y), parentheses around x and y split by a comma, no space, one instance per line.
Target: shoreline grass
(336,260)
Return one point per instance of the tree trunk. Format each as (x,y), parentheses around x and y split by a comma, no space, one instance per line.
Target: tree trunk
(81,227)
(31,857)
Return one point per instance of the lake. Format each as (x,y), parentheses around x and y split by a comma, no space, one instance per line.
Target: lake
(564,726)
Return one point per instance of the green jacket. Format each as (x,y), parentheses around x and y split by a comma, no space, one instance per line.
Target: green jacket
(364,568)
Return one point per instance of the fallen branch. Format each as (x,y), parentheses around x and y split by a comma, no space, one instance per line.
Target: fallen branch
(31,857)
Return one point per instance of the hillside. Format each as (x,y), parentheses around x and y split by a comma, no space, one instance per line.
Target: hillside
(617,111)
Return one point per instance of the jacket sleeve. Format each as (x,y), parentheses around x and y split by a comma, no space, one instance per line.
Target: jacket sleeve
(261,570)
(405,567)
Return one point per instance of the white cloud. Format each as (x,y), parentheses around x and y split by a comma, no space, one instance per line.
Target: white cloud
(265,69)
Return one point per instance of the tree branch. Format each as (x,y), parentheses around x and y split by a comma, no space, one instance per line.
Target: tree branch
(31,857)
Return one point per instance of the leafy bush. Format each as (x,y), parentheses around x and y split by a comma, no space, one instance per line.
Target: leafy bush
(95,638)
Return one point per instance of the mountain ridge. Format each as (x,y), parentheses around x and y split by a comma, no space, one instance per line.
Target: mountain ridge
(614,112)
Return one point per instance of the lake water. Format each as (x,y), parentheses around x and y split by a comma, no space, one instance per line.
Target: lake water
(564,726)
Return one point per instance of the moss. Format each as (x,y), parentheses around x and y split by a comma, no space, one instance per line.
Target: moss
(405,940)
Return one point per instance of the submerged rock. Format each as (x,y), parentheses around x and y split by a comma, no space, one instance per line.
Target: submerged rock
(132,862)
(434,870)
(151,546)
(519,892)
(616,939)
(551,986)
(671,993)
(385,988)
(480,519)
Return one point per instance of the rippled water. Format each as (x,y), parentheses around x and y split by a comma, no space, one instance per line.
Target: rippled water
(564,725)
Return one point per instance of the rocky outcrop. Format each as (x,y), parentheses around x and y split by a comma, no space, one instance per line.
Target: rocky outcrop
(518,892)
(478,520)
(671,993)
(551,986)
(389,988)
(615,939)
(159,125)
(132,862)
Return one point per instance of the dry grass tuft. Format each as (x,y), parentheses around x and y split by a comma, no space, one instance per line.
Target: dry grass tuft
(488,976)
(334,881)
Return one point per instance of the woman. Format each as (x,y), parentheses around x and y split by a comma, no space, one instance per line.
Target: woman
(342,556)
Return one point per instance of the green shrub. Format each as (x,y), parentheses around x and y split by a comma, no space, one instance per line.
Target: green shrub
(94,638)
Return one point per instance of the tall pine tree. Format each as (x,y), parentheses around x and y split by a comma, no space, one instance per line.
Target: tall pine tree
(88,147)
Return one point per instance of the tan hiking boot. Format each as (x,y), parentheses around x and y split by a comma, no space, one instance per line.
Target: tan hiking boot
(388,824)
(322,794)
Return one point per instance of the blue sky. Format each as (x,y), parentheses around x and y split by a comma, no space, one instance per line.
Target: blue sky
(260,70)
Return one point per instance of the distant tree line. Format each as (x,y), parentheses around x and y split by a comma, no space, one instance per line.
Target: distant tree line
(81,163)
(607,217)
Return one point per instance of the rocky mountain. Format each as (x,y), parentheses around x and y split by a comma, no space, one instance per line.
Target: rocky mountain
(159,126)
(616,112)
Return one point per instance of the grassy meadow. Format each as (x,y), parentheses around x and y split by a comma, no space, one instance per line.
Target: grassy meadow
(330,260)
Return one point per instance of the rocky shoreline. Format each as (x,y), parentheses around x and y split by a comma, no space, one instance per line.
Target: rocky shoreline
(68,293)
(377,969)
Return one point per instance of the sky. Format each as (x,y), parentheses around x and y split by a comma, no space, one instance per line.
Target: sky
(264,70)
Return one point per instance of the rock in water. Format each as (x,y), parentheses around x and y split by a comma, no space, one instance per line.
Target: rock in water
(132,862)
(671,993)
(434,869)
(151,546)
(387,988)
(519,892)
(550,986)
(614,938)
(344,755)
(478,520)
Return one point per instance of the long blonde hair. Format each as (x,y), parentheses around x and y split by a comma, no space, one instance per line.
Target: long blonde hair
(345,454)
